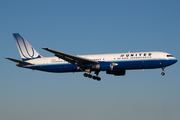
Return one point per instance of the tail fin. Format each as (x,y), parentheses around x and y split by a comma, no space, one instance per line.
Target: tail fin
(26,51)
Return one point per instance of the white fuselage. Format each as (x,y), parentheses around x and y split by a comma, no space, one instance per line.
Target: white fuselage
(135,60)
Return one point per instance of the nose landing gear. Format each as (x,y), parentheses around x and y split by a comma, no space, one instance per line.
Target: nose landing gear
(163,69)
(162,73)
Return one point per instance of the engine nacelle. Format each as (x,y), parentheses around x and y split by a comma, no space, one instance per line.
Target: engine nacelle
(117,73)
(104,66)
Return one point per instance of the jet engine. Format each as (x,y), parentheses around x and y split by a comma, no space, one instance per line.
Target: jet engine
(104,66)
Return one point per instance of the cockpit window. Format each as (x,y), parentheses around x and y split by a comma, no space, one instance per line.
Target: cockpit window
(169,56)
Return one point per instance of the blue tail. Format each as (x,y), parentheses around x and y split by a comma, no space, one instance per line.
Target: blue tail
(26,51)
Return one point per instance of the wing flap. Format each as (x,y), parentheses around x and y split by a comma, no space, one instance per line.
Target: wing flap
(70,58)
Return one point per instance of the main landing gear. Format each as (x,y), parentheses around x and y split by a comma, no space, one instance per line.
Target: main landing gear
(93,77)
(163,69)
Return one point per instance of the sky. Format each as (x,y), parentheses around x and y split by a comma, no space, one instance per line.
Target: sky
(90,27)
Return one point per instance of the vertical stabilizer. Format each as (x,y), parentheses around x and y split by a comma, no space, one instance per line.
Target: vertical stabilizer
(26,51)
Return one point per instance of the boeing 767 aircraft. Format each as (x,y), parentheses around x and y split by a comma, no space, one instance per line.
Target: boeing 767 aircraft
(114,64)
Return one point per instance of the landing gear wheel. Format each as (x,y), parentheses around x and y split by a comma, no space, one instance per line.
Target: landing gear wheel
(89,76)
(98,78)
(85,74)
(162,73)
(94,77)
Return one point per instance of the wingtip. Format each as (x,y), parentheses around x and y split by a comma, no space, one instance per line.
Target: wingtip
(45,48)
(15,33)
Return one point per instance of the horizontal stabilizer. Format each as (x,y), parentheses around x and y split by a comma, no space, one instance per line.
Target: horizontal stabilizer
(19,61)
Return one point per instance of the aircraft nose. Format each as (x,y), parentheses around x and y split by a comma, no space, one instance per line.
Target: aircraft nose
(174,60)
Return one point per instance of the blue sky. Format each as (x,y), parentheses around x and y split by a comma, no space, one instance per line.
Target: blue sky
(90,27)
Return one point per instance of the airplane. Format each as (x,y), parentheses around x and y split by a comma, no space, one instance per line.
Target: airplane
(114,64)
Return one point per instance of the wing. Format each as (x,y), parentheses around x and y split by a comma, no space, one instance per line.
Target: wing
(19,61)
(71,58)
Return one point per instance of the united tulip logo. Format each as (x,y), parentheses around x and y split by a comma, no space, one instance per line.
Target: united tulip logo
(122,55)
